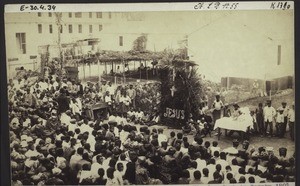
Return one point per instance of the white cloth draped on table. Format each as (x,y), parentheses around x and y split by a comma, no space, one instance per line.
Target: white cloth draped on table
(240,124)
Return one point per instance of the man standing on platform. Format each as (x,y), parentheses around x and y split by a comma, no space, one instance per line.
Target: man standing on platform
(269,114)
(217,108)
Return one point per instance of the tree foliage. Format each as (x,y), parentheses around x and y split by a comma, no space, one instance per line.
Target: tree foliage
(140,44)
(187,96)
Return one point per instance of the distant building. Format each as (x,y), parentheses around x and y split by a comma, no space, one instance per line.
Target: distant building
(27,34)
(273,85)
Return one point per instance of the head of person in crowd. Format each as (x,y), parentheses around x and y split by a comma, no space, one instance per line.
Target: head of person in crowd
(283,104)
(269,103)
(232,180)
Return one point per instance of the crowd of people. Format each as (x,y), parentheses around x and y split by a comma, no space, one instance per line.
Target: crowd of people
(53,141)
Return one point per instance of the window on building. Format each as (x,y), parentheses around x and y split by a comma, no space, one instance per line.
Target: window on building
(50,14)
(109,15)
(91,28)
(70,14)
(61,29)
(21,42)
(121,40)
(99,14)
(90,14)
(78,14)
(39,14)
(79,28)
(40,28)
(70,29)
(50,29)
(100,27)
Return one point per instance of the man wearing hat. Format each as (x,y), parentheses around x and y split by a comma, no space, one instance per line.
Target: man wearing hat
(269,114)
(280,131)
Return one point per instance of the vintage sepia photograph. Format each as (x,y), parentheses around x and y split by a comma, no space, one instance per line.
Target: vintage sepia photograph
(151,97)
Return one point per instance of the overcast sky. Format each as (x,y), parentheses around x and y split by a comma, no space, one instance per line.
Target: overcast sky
(233,43)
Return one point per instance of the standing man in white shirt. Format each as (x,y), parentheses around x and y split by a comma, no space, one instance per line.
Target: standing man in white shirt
(110,89)
(269,115)
(217,108)
(291,118)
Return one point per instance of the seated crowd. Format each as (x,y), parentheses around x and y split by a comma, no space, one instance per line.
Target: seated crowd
(53,142)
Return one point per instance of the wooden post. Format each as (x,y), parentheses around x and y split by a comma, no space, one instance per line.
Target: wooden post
(146,69)
(83,71)
(90,73)
(123,71)
(134,65)
(227,83)
(140,70)
(99,76)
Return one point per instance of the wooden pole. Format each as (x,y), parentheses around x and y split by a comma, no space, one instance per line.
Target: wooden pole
(146,69)
(99,75)
(90,70)
(140,70)
(123,71)
(270,90)
(83,71)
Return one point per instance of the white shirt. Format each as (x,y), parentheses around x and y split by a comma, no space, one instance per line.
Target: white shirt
(201,164)
(31,153)
(85,128)
(94,169)
(218,104)
(79,103)
(74,107)
(280,118)
(107,99)
(126,100)
(111,90)
(269,113)
(118,176)
(291,115)
(285,110)
(161,138)
(64,118)
(235,169)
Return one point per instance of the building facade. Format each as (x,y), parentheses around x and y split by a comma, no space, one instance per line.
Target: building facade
(26,32)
